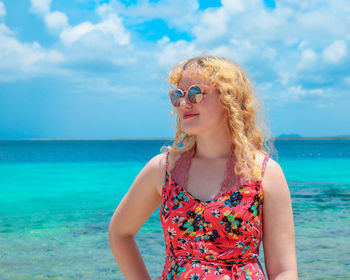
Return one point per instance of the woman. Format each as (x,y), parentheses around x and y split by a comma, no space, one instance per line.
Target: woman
(220,193)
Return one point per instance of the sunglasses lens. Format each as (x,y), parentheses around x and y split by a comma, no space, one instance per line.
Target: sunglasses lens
(195,94)
(176,97)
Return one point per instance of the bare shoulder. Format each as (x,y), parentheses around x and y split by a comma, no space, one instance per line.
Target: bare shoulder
(158,163)
(274,181)
(259,157)
(273,174)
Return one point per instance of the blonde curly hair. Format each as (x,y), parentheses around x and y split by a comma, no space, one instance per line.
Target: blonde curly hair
(239,99)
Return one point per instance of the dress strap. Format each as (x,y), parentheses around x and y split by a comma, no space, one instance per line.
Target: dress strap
(167,163)
(166,169)
(266,158)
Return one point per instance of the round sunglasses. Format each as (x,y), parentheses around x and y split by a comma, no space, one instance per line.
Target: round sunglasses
(195,95)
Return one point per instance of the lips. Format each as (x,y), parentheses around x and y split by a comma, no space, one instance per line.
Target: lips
(189,115)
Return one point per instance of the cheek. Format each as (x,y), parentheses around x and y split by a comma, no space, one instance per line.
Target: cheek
(213,117)
(216,110)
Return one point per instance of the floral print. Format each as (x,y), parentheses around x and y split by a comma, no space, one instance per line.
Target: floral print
(216,239)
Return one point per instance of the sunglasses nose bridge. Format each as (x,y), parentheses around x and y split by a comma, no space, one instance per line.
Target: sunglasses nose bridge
(186,100)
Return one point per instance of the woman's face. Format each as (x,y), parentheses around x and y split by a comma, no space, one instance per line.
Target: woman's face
(210,114)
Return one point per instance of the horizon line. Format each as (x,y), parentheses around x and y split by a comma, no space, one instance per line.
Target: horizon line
(168,138)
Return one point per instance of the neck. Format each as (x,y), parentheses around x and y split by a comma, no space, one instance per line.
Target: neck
(217,146)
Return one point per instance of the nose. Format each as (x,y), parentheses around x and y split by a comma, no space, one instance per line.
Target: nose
(185,101)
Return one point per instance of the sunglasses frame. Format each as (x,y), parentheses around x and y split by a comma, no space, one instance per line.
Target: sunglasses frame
(184,93)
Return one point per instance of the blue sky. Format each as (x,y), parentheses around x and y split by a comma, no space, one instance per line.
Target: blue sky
(97,69)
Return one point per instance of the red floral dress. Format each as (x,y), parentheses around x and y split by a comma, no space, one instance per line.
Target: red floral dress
(215,239)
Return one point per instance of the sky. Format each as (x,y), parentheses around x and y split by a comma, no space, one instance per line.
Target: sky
(98,69)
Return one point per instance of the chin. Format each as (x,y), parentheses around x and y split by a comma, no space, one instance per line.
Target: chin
(191,131)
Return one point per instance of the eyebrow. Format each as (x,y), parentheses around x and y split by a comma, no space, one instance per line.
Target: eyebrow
(198,84)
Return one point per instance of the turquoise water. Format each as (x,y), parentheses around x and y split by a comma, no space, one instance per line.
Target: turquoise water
(57,198)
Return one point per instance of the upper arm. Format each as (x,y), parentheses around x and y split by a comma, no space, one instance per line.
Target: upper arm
(278,224)
(141,200)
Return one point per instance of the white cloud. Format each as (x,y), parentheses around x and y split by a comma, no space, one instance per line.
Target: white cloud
(244,21)
(335,52)
(24,60)
(111,27)
(56,20)
(2,9)
(41,7)
(269,53)
(224,51)
(298,92)
(347,80)
(279,46)
(4,30)
(71,34)
(308,57)
(234,6)
(171,52)
(182,14)
(213,25)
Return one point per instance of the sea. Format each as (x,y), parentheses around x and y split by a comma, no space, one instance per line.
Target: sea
(57,198)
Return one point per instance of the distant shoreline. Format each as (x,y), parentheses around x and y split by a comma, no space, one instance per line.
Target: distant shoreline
(167,139)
